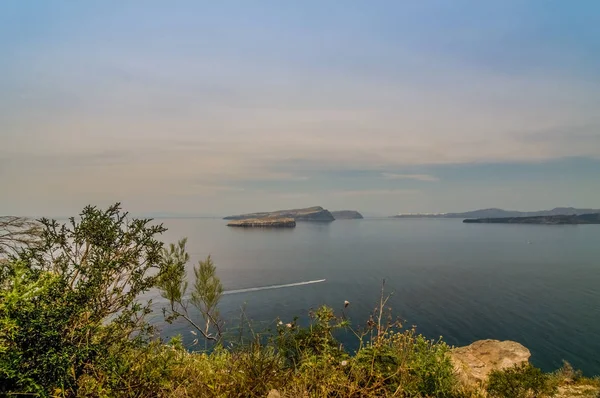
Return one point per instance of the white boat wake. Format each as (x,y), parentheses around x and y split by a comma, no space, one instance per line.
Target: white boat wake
(255,289)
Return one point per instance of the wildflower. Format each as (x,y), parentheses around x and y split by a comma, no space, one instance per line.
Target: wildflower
(344,363)
(280,323)
(289,325)
(346,303)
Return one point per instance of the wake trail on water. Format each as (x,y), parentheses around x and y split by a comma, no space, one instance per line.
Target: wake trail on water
(255,289)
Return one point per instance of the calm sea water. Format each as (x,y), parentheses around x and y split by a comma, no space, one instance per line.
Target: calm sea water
(538,285)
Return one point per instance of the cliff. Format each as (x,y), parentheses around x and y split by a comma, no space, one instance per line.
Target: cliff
(264,223)
(346,215)
(547,220)
(474,363)
(316,213)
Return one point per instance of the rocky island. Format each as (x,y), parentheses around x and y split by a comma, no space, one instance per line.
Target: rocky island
(546,220)
(263,223)
(316,213)
(500,213)
(346,215)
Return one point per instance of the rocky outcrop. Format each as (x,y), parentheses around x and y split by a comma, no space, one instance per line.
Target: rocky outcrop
(346,215)
(264,223)
(473,363)
(274,394)
(578,391)
(316,213)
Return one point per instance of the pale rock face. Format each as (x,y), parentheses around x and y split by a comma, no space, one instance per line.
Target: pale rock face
(578,392)
(473,363)
(274,394)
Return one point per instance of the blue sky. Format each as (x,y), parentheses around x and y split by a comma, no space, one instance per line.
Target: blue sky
(223,107)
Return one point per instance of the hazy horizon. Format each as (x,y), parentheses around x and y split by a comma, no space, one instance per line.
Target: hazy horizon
(210,109)
(366,214)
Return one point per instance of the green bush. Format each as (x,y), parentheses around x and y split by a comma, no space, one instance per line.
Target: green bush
(520,381)
(408,362)
(295,342)
(69,301)
(391,362)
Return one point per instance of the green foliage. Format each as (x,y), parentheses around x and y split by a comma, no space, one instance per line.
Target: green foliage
(172,282)
(205,295)
(207,290)
(141,371)
(65,303)
(393,362)
(294,342)
(408,362)
(520,381)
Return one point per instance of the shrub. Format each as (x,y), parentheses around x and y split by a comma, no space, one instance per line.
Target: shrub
(392,362)
(69,301)
(295,342)
(520,381)
(403,361)
(143,371)
(567,374)
(205,297)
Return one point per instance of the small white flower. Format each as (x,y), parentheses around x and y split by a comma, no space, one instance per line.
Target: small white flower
(289,325)
(344,363)
(280,323)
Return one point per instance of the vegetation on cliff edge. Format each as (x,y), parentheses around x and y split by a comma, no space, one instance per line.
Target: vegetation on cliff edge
(72,324)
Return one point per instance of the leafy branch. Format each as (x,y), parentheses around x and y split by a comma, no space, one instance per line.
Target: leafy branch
(205,296)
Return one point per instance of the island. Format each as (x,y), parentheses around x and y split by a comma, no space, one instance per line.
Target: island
(263,223)
(346,215)
(500,213)
(315,213)
(546,220)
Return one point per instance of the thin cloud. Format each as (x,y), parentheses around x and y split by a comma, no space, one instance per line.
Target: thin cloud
(294,195)
(418,177)
(375,192)
(157,124)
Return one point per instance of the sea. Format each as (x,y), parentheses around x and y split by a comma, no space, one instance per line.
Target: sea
(538,285)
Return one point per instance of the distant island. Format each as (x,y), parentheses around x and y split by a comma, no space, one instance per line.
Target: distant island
(546,220)
(316,213)
(346,215)
(263,223)
(500,213)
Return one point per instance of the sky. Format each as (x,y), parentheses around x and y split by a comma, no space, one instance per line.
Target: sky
(214,108)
